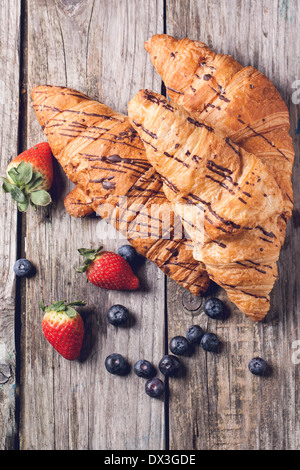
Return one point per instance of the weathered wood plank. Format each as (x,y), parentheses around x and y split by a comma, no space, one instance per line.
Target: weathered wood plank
(218,404)
(96,47)
(9,134)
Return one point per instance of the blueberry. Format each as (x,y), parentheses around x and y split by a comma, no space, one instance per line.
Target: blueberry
(169,365)
(215,309)
(116,364)
(194,334)
(23,268)
(257,366)
(129,253)
(210,342)
(117,315)
(154,387)
(179,345)
(143,368)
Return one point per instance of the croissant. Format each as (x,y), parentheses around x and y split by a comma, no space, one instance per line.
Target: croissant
(239,197)
(238,101)
(104,157)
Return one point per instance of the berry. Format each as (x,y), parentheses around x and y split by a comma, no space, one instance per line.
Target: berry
(30,176)
(257,366)
(117,315)
(129,253)
(63,327)
(154,387)
(210,342)
(194,334)
(107,270)
(143,368)
(215,309)
(116,364)
(169,365)
(23,268)
(179,345)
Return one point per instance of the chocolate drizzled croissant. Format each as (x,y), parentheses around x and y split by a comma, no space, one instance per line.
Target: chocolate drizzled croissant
(237,193)
(238,101)
(104,157)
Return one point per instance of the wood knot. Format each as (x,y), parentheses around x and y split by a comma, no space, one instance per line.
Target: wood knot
(70,7)
(5,373)
(191,302)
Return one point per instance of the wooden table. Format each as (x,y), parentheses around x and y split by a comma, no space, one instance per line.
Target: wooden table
(96,46)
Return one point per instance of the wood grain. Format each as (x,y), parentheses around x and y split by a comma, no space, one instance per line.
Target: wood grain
(218,404)
(97,48)
(9,135)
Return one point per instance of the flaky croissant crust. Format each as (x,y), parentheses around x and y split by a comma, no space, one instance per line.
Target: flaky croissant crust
(104,157)
(238,101)
(240,198)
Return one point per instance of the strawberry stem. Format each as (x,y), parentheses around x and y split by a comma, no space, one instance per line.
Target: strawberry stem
(89,255)
(26,186)
(61,306)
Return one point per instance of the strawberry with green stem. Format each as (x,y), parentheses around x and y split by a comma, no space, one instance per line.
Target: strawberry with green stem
(108,270)
(63,328)
(30,176)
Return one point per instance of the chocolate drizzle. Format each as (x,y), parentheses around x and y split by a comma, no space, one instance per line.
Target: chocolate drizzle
(177,159)
(220,93)
(106,182)
(175,91)
(200,124)
(154,99)
(221,171)
(220,183)
(251,267)
(210,105)
(267,234)
(219,167)
(259,134)
(214,213)
(137,165)
(151,134)
(232,145)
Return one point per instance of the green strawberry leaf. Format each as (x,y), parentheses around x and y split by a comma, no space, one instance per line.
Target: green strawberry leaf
(90,255)
(24,182)
(83,251)
(6,186)
(23,206)
(28,173)
(33,205)
(77,302)
(71,312)
(62,306)
(81,269)
(14,175)
(21,166)
(40,198)
(18,195)
(36,180)
(25,172)
(58,305)
(87,253)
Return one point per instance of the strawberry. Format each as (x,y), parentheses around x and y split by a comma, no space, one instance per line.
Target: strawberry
(63,327)
(30,176)
(108,270)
